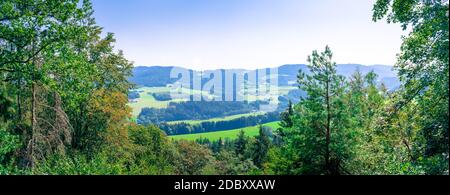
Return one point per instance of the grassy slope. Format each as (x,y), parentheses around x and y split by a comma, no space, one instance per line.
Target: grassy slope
(232,134)
(148,101)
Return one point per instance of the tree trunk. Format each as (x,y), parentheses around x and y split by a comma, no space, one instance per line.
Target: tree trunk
(19,107)
(327,134)
(34,124)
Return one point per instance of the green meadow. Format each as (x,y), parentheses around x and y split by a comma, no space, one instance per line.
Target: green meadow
(231,134)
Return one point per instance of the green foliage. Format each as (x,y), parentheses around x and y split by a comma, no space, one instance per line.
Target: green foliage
(228,163)
(260,148)
(153,153)
(241,143)
(6,104)
(79,165)
(278,163)
(193,159)
(64,106)
(150,154)
(321,139)
(286,121)
(423,67)
(8,144)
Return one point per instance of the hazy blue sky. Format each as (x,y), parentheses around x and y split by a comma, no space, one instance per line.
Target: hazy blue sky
(206,34)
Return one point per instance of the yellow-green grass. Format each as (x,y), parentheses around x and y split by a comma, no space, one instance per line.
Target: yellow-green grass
(226,118)
(230,134)
(147,100)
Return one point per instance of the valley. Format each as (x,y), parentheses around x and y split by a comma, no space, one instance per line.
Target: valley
(182,118)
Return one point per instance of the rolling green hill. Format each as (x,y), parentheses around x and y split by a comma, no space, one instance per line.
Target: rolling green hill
(232,134)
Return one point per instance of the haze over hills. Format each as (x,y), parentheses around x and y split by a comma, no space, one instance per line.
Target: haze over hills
(159,76)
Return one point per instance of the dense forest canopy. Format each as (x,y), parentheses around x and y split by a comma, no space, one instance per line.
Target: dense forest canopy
(197,110)
(64,92)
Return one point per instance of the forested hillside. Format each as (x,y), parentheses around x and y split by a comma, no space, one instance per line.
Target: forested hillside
(64,105)
(287,74)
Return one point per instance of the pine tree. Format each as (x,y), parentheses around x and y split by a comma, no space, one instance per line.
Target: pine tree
(261,148)
(285,123)
(321,140)
(286,116)
(241,143)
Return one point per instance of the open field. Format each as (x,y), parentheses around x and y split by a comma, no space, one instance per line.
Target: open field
(231,134)
(146,100)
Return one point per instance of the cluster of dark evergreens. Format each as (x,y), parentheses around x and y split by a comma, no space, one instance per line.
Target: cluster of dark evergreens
(250,153)
(162,96)
(63,105)
(133,95)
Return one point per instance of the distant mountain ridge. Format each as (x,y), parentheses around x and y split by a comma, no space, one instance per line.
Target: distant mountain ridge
(159,76)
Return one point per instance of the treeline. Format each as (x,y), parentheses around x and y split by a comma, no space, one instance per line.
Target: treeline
(162,96)
(196,110)
(211,126)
